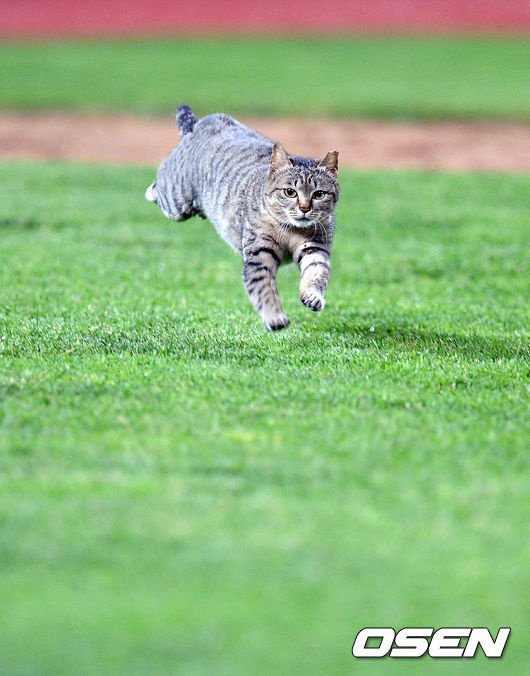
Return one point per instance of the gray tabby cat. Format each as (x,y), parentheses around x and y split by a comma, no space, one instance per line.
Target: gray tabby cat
(269,206)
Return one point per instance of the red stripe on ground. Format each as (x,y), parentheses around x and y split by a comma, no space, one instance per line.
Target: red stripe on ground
(26,18)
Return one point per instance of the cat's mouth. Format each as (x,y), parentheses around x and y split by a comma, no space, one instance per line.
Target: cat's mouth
(304,221)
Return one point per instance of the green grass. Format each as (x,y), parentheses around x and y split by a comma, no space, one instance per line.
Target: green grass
(181,491)
(385,77)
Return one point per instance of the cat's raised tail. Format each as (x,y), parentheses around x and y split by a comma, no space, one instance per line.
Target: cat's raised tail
(185,120)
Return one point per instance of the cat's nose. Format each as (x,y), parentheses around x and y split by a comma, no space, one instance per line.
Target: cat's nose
(304,209)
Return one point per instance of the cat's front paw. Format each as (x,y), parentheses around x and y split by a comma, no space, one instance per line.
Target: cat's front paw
(276,322)
(313,299)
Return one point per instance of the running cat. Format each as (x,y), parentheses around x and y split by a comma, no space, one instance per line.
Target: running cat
(269,206)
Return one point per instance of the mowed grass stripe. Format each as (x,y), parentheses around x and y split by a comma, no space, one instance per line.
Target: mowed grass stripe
(398,77)
(181,490)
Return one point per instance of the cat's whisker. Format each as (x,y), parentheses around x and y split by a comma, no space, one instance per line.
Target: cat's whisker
(323,230)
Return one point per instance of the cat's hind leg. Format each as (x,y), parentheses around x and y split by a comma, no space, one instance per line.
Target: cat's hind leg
(173,190)
(260,264)
(172,203)
(150,193)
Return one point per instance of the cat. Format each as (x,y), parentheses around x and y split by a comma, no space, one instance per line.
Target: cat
(269,206)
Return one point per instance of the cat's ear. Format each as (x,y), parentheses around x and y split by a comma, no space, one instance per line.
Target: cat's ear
(279,158)
(330,162)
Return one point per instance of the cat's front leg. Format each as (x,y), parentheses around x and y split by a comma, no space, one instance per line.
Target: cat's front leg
(260,264)
(313,260)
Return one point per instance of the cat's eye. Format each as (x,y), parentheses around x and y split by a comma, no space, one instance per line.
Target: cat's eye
(319,195)
(290,192)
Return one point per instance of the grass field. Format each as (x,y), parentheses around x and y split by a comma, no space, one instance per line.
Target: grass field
(182,491)
(384,77)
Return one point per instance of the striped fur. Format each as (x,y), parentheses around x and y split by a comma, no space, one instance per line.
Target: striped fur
(269,206)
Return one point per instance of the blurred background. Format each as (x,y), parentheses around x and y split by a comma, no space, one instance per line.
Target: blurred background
(435,63)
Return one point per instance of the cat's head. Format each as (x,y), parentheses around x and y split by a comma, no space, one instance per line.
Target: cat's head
(301,192)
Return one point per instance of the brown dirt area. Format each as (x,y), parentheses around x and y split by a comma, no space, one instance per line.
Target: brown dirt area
(368,144)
